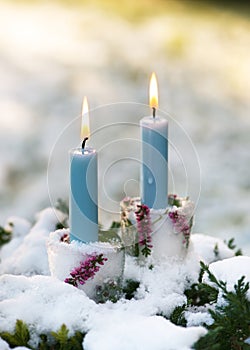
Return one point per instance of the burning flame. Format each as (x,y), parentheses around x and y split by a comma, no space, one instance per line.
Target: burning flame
(153,91)
(85,119)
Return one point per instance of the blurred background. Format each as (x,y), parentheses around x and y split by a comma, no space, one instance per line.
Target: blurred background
(54,52)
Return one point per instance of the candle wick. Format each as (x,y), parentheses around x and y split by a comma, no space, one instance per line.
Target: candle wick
(83,142)
(154,111)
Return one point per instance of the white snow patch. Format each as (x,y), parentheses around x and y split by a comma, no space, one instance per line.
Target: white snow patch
(27,254)
(43,302)
(3,345)
(204,246)
(198,318)
(18,226)
(138,332)
(230,270)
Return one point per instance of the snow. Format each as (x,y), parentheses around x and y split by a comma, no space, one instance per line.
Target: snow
(139,333)
(27,254)
(30,293)
(161,289)
(18,226)
(204,245)
(3,345)
(197,318)
(44,303)
(231,270)
(52,303)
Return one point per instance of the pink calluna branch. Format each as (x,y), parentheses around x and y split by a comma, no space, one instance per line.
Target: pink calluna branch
(144,229)
(86,270)
(181,224)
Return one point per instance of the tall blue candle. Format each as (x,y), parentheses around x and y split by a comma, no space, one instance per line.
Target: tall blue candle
(83,207)
(154,168)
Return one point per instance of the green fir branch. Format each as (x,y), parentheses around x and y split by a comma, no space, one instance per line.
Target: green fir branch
(231,326)
(20,337)
(130,288)
(231,245)
(53,341)
(61,341)
(200,294)
(115,225)
(178,317)
(220,284)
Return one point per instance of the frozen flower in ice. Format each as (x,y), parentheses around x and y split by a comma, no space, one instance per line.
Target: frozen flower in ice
(144,229)
(86,270)
(182,223)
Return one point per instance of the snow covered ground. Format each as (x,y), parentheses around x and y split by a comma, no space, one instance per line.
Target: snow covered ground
(51,55)
(45,303)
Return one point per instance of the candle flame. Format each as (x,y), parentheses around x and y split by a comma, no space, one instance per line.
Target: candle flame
(85,119)
(153,91)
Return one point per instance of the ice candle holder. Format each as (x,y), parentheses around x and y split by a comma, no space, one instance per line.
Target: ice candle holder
(75,262)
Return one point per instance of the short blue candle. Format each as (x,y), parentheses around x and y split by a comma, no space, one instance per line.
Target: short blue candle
(154,168)
(83,208)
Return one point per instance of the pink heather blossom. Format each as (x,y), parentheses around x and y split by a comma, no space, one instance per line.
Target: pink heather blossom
(144,228)
(86,270)
(65,238)
(181,224)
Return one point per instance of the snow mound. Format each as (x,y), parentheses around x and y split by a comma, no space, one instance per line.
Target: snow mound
(205,245)
(18,226)
(43,302)
(141,333)
(230,270)
(4,345)
(26,254)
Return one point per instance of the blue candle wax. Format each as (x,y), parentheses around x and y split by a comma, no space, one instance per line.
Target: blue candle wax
(154,168)
(83,208)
